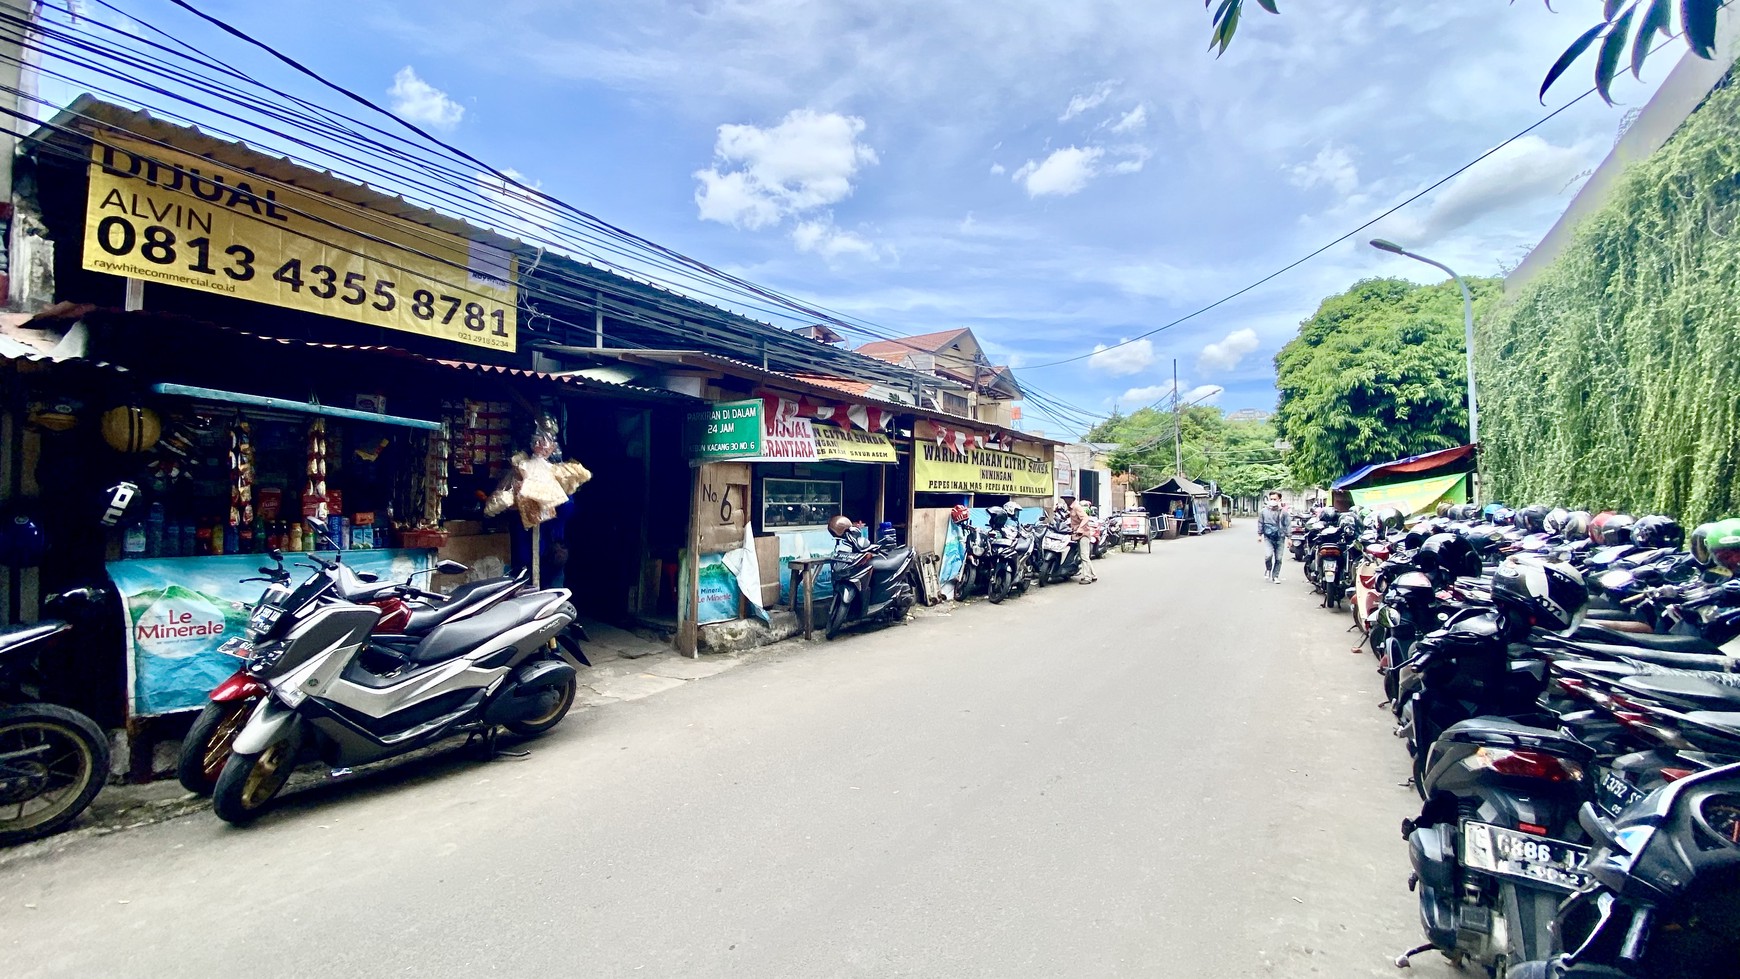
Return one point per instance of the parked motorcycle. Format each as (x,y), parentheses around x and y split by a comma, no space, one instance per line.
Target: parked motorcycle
(53,761)
(1011,552)
(1662,897)
(976,560)
(1059,557)
(408,613)
(351,701)
(871,581)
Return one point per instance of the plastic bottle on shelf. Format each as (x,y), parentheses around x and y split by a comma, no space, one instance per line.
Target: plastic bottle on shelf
(295,542)
(232,540)
(154,543)
(133,541)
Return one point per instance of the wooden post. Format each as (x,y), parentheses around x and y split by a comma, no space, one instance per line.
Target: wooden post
(689,618)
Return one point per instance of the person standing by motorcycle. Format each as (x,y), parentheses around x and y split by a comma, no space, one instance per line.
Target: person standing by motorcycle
(1272,530)
(1081,528)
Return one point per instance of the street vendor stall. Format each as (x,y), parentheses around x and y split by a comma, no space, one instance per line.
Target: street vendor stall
(1183,502)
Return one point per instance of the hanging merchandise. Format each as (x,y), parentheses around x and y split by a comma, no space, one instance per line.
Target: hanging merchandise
(435,463)
(55,415)
(131,428)
(535,486)
(241,521)
(314,497)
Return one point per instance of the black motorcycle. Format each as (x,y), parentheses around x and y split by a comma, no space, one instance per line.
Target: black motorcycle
(976,560)
(1663,892)
(870,580)
(1059,557)
(1011,556)
(53,761)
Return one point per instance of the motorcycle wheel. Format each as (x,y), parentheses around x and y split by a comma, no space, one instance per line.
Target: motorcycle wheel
(48,754)
(969,578)
(251,781)
(206,748)
(1045,569)
(559,699)
(836,617)
(999,586)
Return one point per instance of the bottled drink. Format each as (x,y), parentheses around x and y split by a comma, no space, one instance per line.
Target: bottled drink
(154,544)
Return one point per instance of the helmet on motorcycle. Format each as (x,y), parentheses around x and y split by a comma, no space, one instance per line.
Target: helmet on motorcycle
(1488,510)
(1658,531)
(998,517)
(1532,518)
(840,525)
(1597,522)
(1388,518)
(1616,529)
(960,514)
(1554,522)
(1576,525)
(1413,540)
(1443,509)
(1448,557)
(22,542)
(1549,595)
(1718,544)
(1503,516)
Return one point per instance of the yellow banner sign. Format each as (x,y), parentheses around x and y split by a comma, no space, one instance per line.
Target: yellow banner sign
(936,469)
(852,445)
(163,216)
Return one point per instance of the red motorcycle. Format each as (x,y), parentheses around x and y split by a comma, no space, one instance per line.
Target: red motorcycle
(1367,598)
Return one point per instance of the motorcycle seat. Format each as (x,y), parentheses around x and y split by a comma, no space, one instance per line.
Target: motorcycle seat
(1722,722)
(451,639)
(1687,661)
(1688,691)
(890,560)
(24,635)
(1647,640)
(463,599)
(1504,732)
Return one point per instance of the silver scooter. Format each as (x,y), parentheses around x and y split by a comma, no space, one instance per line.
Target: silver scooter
(353,702)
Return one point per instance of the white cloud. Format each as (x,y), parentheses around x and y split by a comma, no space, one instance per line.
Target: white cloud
(1226,353)
(1133,164)
(761,176)
(1131,121)
(1082,103)
(998,169)
(420,102)
(1061,174)
(1527,170)
(1332,168)
(828,241)
(1144,396)
(1130,358)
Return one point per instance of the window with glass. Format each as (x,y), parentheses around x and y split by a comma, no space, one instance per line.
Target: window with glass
(789,504)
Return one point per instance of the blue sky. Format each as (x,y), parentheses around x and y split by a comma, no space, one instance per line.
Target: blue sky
(1054,175)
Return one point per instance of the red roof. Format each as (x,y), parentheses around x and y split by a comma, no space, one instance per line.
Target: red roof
(894,351)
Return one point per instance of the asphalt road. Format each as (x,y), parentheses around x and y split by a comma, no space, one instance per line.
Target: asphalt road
(1177,771)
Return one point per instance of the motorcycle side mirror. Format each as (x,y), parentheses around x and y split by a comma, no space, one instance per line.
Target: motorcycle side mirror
(276,555)
(451,567)
(367,577)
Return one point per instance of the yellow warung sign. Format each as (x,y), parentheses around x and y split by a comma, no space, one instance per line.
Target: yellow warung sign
(163,216)
(851,445)
(936,469)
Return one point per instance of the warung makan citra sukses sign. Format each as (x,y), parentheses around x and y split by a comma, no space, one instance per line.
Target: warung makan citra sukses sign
(937,469)
(164,216)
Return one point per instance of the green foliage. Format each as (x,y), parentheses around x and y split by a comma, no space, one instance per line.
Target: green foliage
(1240,456)
(1620,27)
(1375,374)
(1613,377)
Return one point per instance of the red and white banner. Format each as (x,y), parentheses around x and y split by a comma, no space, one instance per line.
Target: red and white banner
(866,417)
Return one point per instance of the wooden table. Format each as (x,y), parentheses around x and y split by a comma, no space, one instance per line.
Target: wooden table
(803,581)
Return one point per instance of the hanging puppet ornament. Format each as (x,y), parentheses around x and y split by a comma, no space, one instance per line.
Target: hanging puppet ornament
(535,486)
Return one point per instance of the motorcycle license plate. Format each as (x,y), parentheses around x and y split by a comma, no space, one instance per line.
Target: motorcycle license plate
(1510,853)
(237,647)
(1056,543)
(1614,794)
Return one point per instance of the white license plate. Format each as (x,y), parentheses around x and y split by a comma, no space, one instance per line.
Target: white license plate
(1511,853)
(1056,542)
(237,647)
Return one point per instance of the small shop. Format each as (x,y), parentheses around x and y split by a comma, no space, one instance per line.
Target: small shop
(771,471)
(1182,503)
(1416,484)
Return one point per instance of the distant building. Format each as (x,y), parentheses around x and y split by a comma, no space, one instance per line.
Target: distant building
(1248,415)
(990,393)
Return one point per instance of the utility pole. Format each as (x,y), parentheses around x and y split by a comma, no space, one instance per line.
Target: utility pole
(1177,429)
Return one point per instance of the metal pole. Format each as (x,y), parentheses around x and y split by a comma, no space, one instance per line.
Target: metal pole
(1468,343)
(1177,431)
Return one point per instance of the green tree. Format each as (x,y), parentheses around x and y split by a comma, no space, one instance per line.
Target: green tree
(1624,23)
(1375,374)
(1239,456)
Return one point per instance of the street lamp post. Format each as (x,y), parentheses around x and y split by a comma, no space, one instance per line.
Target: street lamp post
(1468,339)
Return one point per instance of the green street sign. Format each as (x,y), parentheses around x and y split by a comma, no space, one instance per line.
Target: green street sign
(731,430)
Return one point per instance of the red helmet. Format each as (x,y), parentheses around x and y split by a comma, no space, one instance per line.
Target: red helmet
(960,514)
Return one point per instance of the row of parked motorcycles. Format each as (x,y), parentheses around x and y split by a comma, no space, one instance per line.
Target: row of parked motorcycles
(1006,556)
(1568,688)
(337,666)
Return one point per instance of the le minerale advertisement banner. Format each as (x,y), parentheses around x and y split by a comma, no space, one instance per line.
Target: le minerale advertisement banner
(163,216)
(939,470)
(180,610)
(1416,496)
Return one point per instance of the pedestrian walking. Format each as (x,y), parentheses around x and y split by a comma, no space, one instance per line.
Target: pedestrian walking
(1272,530)
(1081,528)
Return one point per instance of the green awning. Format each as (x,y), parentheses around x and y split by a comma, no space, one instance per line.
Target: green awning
(1418,496)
